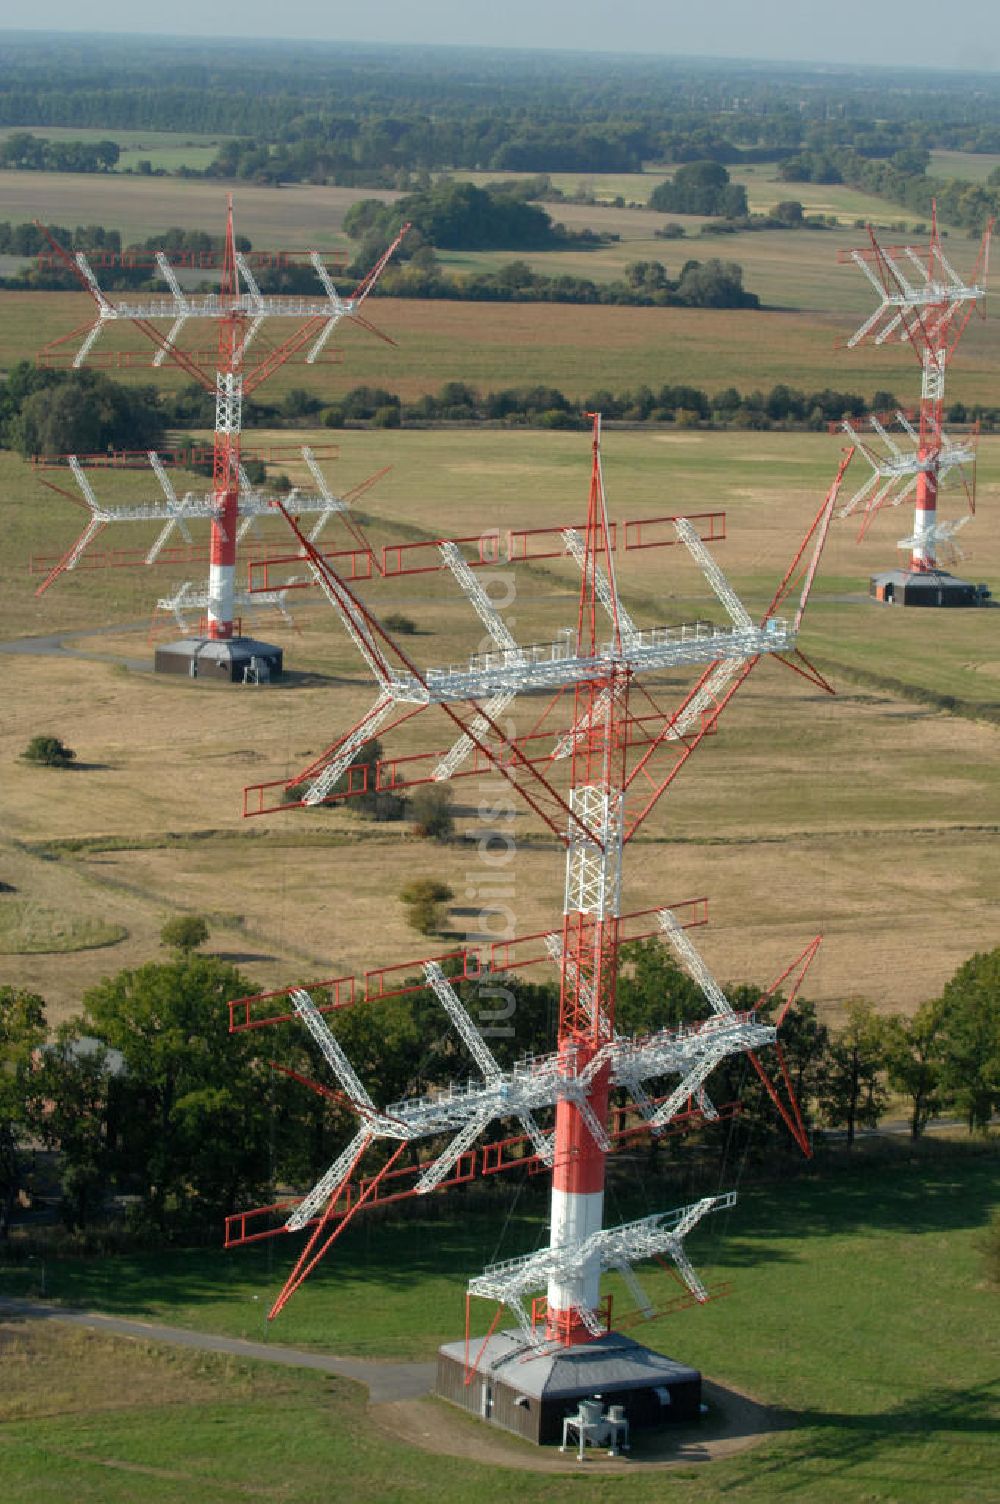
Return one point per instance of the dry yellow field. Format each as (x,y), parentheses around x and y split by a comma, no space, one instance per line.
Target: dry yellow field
(578,349)
(869,817)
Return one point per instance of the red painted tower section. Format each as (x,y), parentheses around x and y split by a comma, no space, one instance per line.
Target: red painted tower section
(592,906)
(925,302)
(620,759)
(231,368)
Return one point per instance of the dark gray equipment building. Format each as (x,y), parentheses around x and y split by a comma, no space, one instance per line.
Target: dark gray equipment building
(527,1391)
(932,587)
(232,660)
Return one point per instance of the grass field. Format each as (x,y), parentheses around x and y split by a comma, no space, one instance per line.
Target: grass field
(974,167)
(788,269)
(275,218)
(155,817)
(764,189)
(880,1250)
(29,929)
(579,350)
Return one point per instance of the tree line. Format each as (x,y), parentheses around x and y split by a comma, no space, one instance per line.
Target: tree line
(712,283)
(146,1095)
(903,179)
(462,217)
(51,412)
(353,114)
(23,152)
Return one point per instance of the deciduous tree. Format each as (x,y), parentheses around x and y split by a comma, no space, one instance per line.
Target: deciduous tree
(22,1032)
(196,1119)
(915,1062)
(853,1094)
(970,1037)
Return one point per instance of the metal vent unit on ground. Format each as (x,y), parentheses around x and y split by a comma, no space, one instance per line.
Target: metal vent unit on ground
(923,301)
(240,361)
(592,767)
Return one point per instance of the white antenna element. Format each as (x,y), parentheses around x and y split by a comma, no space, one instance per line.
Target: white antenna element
(943,295)
(502,636)
(942,536)
(611,1248)
(690,1052)
(693,964)
(735,608)
(347,750)
(327,1187)
(480,1050)
(333,505)
(895,471)
(603,587)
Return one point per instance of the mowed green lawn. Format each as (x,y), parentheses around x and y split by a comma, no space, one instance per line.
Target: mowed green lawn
(858,1306)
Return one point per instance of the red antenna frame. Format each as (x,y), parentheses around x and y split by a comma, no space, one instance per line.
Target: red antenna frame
(601,732)
(240,363)
(924,302)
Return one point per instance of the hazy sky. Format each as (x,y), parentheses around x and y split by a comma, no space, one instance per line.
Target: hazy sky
(965,34)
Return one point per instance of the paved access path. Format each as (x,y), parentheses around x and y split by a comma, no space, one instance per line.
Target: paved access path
(398,1393)
(64,645)
(387,1381)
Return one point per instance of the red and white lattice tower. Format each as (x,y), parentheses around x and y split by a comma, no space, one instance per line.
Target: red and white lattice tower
(241,361)
(925,302)
(622,751)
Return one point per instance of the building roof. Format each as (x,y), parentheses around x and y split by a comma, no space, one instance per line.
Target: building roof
(221,650)
(929,579)
(607,1365)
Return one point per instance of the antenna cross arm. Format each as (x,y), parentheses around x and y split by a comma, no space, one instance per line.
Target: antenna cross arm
(652,650)
(612,1247)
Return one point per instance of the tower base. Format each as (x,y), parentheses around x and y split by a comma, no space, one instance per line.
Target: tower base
(933,587)
(530,1392)
(230,660)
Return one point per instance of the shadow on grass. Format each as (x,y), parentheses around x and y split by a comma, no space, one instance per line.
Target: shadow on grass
(832,1444)
(242,957)
(942,1188)
(311,679)
(883,1186)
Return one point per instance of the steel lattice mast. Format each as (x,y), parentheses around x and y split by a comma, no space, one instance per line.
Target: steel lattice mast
(621,761)
(241,364)
(591,909)
(923,301)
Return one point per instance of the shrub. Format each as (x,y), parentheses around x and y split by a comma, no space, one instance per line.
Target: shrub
(425,899)
(48,752)
(184,933)
(430,811)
